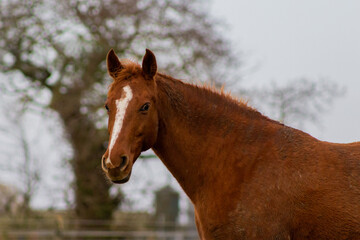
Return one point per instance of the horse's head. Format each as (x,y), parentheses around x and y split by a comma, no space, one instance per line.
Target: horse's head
(133,118)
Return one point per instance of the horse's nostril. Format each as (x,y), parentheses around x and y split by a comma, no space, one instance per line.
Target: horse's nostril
(124,161)
(103,164)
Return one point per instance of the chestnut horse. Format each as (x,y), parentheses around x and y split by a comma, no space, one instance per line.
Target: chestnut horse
(249,177)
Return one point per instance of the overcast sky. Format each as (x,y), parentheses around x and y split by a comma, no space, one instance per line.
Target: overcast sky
(288,39)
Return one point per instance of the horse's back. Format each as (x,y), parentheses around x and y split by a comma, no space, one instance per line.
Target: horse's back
(293,187)
(343,162)
(329,206)
(312,192)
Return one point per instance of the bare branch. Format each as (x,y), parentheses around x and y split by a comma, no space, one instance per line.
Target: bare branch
(299,100)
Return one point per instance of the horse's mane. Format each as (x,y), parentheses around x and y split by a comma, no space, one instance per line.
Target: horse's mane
(206,95)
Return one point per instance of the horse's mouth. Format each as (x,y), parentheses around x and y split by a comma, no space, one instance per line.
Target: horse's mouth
(124,180)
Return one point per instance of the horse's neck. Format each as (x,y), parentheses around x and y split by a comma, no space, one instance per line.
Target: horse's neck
(195,125)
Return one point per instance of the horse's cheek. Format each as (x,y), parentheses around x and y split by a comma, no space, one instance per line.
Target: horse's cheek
(151,132)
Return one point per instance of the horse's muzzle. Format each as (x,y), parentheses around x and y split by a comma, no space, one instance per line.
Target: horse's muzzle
(117,174)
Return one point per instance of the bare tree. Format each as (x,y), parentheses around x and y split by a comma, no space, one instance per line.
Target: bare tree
(59,47)
(24,164)
(299,101)
(9,200)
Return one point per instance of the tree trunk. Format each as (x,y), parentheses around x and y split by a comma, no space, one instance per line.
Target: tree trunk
(92,199)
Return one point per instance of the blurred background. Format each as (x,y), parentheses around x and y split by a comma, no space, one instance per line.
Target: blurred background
(296,61)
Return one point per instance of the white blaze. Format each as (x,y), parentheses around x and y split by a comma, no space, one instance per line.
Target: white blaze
(121,106)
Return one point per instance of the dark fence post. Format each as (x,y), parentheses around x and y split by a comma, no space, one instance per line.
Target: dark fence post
(167,207)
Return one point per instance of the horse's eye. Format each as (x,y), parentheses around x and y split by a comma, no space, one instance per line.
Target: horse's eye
(107,108)
(145,107)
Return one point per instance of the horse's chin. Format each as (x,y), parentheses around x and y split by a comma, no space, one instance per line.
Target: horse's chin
(121,181)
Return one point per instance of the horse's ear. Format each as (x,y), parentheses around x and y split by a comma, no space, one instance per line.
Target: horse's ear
(113,64)
(149,66)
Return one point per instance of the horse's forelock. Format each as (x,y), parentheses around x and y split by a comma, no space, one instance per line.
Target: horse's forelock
(130,68)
